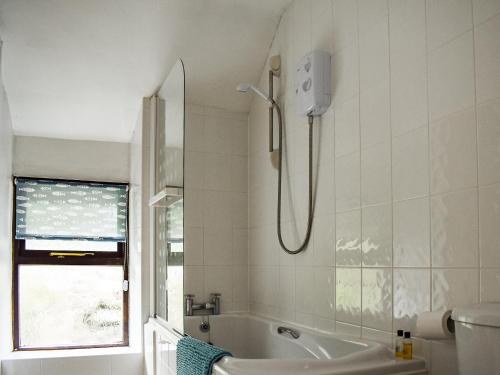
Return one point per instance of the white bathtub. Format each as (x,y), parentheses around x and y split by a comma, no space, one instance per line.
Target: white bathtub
(259,349)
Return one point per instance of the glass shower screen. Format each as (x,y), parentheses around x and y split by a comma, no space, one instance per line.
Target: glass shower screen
(168,201)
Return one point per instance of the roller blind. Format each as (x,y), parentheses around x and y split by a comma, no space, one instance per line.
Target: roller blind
(60,209)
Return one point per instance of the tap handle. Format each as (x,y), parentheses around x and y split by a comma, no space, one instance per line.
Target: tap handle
(215,297)
(191,296)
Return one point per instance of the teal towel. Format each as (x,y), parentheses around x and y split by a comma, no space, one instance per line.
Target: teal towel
(195,357)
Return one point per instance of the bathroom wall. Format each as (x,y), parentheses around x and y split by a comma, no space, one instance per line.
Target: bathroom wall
(97,161)
(137,313)
(6,150)
(62,158)
(407,169)
(215,210)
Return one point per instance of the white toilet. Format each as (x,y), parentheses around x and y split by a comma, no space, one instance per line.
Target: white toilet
(477,329)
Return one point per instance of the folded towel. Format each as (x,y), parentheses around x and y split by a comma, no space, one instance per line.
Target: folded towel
(195,357)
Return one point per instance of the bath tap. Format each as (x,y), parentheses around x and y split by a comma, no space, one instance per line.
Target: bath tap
(213,306)
(282,330)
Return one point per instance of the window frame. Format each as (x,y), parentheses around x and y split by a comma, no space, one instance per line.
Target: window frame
(22,256)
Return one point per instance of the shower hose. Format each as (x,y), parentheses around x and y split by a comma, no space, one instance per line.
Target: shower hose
(303,246)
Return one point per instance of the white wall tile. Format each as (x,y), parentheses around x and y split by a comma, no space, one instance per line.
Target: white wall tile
(412,296)
(454,230)
(324,292)
(408,94)
(451,77)
(193,241)
(453,152)
(239,173)
(216,206)
(239,215)
(216,134)
(348,237)
(347,182)
(377,298)
(218,246)
(219,279)
(410,164)
(374,115)
(304,289)
(376,174)
(194,131)
(286,299)
(321,33)
(240,137)
(377,235)
(345,23)
(484,9)
(217,169)
(194,281)
(489,221)
(195,170)
(490,285)
(216,210)
(488,133)
(447,19)
(454,287)
(412,233)
(407,29)
(348,295)
(345,74)
(323,238)
(374,55)
(370,13)
(487,52)
(347,127)
(240,246)
(240,283)
(194,200)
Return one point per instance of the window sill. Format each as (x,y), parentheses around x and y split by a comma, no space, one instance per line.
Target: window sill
(40,354)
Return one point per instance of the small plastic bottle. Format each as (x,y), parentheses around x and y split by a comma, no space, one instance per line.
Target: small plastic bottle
(407,346)
(398,344)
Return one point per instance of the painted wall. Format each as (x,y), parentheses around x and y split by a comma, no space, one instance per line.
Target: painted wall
(6,151)
(407,169)
(98,161)
(216,235)
(62,158)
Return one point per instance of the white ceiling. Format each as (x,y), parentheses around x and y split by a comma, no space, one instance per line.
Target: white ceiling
(78,69)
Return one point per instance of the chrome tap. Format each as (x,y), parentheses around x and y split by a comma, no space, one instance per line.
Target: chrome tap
(295,334)
(212,307)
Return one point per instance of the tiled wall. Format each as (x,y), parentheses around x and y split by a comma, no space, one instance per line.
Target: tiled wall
(215,210)
(408,167)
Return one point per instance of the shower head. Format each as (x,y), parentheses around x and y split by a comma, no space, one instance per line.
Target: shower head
(245,87)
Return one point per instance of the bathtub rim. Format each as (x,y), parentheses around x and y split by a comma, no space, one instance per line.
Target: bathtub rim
(374,351)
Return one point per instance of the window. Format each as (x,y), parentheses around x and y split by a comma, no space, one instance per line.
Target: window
(70,287)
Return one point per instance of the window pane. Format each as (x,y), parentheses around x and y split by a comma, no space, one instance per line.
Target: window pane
(70,305)
(70,210)
(61,245)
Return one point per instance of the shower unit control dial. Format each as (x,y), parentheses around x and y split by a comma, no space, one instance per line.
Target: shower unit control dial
(313,89)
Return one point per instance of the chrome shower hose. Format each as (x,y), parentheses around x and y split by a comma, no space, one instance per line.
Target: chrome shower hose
(303,246)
